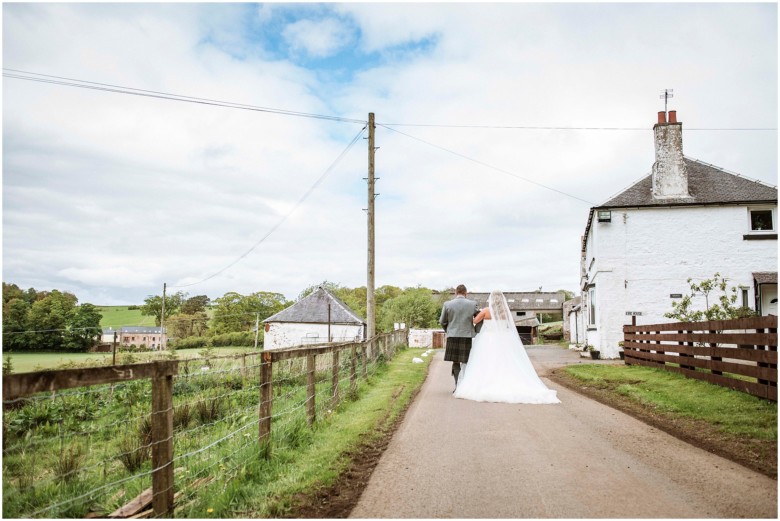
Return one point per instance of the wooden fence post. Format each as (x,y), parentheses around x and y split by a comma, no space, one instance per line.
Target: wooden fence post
(353,369)
(335,379)
(266,398)
(162,442)
(715,358)
(364,351)
(243,367)
(311,390)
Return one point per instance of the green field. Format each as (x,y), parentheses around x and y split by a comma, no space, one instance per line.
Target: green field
(28,362)
(118,316)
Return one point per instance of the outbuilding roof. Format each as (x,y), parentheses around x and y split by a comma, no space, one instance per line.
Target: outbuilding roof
(521,301)
(313,309)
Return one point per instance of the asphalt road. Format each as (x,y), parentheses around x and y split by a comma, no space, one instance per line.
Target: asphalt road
(455,458)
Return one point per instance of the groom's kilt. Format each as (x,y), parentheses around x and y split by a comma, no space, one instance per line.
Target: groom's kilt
(457,350)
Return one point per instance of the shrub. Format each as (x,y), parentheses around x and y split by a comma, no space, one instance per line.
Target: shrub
(209,410)
(133,452)
(69,462)
(193,342)
(241,338)
(182,415)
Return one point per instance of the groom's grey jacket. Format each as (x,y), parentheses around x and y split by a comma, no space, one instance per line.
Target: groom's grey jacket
(456,317)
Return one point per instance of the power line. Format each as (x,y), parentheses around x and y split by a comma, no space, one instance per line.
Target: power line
(539,127)
(482,163)
(119,89)
(284,218)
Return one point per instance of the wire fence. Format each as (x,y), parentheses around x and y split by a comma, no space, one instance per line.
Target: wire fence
(146,440)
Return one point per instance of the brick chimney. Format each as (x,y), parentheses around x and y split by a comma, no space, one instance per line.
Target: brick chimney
(670,178)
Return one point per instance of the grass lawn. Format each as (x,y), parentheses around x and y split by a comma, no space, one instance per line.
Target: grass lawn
(28,362)
(118,316)
(731,423)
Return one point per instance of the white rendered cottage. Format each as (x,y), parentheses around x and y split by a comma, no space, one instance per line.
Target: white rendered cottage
(687,219)
(319,317)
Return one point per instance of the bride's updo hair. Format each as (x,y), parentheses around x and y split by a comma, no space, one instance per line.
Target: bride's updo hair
(497,307)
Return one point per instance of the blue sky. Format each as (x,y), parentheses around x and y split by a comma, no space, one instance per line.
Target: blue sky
(109,195)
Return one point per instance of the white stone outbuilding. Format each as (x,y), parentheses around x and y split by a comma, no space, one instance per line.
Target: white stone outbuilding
(687,219)
(319,317)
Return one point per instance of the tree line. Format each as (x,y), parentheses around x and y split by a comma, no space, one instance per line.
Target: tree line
(47,321)
(54,320)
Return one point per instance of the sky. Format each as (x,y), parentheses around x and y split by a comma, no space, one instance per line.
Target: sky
(498,127)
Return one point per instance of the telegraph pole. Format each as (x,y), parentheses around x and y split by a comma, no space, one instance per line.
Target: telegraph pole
(370,299)
(162,319)
(257,328)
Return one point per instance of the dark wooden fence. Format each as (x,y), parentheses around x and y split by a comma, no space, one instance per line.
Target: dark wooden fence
(739,354)
(357,356)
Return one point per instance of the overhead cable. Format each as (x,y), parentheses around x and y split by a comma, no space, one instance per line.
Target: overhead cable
(539,127)
(482,163)
(284,218)
(71,82)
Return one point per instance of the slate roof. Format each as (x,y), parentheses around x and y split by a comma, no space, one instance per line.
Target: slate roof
(707,184)
(313,309)
(521,301)
(141,329)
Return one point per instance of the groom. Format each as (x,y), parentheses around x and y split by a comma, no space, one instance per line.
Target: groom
(456,319)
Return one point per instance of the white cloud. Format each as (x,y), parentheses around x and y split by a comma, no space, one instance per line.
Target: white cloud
(109,195)
(318,38)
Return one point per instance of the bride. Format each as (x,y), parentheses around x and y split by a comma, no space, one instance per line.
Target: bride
(499,369)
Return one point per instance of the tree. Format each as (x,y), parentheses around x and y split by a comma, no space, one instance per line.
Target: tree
(14,324)
(183,326)
(49,318)
(196,304)
(235,312)
(723,309)
(567,295)
(415,307)
(153,306)
(84,328)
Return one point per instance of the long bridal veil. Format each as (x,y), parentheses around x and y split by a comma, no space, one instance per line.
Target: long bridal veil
(499,369)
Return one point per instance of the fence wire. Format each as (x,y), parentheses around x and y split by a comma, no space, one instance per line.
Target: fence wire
(87,451)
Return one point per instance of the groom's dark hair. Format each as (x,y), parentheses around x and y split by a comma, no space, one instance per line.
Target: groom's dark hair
(460,290)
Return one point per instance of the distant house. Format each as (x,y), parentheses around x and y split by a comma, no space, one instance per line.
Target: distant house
(150,337)
(320,317)
(687,219)
(527,309)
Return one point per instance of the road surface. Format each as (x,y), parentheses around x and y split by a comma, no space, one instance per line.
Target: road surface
(453,458)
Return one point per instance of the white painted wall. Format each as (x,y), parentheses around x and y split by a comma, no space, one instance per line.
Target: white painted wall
(646,254)
(422,337)
(286,334)
(576,328)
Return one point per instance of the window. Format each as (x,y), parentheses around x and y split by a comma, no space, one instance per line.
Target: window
(521,313)
(762,220)
(592,307)
(744,297)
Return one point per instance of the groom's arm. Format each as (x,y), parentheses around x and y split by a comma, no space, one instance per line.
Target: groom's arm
(443,318)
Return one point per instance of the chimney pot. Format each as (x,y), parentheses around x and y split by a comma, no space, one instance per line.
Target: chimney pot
(661,117)
(672,116)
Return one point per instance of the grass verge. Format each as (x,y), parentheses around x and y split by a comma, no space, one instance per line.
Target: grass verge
(729,423)
(322,474)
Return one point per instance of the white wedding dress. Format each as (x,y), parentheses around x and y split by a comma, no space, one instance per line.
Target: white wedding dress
(499,369)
